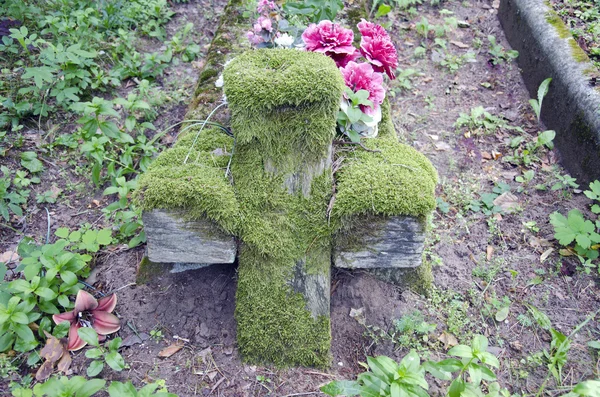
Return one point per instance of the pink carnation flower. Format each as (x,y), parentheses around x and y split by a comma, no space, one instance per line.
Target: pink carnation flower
(263,23)
(369,29)
(254,38)
(330,39)
(265,6)
(361,76)
(381,53)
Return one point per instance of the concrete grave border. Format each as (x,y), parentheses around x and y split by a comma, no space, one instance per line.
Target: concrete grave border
(572,106)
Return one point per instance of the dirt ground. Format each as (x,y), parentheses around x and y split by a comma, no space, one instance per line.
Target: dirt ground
(198,306)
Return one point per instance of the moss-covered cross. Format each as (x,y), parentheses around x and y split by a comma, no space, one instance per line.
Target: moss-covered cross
(277,199)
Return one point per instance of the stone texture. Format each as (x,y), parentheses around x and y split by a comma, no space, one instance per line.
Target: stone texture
(171,239)
(571,106)
(316,289)
(381,243)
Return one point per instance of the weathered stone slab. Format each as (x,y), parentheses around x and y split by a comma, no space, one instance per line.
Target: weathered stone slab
(381,243)
(172,239)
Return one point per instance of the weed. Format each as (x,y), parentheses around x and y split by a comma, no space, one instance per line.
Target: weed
(498,54)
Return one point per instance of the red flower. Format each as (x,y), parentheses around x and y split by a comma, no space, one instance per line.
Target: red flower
(361,76)
(381,53)
(89,312)
(332,40)
(369,29)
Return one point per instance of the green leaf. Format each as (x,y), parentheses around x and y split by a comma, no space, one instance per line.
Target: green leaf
(88,335)
(347,388)
(94,353)
(590,388)
(45,293)
(95,367)
(461,351)
(6,341)
(24,332)
(19,318)
(502,314)
(456,387)
(104,237)
(118,389)
(115,361)
(62,232)
(30,161)
(69,278)
(90,387)
(595,344)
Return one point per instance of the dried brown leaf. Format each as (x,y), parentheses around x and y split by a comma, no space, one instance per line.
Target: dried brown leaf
(64,364)
(53,350)
(546,254)
(44,371)
(169,351)
(448,339)
(489,252)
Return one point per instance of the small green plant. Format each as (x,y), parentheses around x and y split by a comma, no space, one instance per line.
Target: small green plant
(156,334)
(119,389)
(536,104)
(76,386)
(575,228)
(498,53)
(486,204)
(109,353)
(313,11)
(385,377)
(412,329)
(526,152)
(481,121)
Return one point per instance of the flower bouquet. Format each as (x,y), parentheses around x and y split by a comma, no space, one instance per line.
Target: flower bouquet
(363,68)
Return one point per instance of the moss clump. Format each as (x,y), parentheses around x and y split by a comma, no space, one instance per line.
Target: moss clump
(277,88)
(198,186)
(397,180)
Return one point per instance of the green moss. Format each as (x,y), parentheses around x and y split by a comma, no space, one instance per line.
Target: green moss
(207,74)
(148,270)
(397,180)
(563,32)
(198,186)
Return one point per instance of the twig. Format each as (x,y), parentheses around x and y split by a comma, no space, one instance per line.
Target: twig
(120,288)
(217,385)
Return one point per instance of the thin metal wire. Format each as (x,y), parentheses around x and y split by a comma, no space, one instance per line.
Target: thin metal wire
(201,128)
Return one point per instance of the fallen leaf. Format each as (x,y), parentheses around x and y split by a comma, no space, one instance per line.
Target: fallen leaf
(502,314)
(44,371)
(496,4)
(448,339)
(64,364)
(459,44)
(9,256)
(566,252)
(358,315)
(96,203)
(537,242)
(53,350)
(507,201)
(516,345)
(169,351)
(496,155)
(205,353)
(486,156)
(546,254)
(489,252)
(442,146)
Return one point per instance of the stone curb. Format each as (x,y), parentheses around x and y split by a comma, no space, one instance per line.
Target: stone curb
(572,106)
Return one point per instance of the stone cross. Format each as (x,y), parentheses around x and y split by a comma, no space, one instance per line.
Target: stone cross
(276,198)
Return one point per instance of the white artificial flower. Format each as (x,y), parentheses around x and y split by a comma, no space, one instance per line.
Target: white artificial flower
(285,40)
(219,83)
